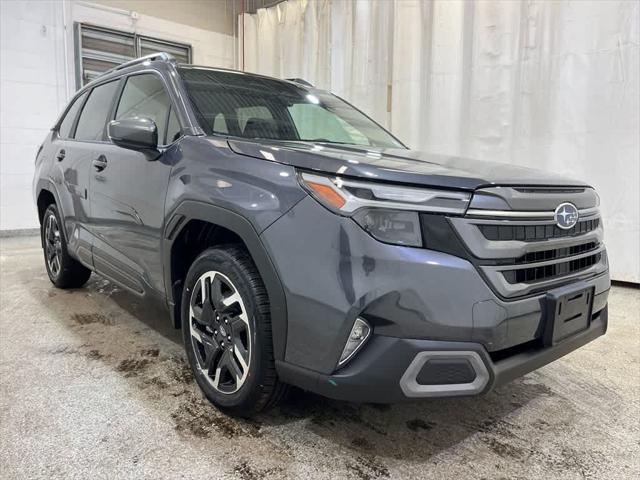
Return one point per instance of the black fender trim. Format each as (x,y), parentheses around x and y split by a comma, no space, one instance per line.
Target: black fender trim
(193,210)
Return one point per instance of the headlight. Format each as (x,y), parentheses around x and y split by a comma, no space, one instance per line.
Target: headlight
(391,226)
(388,212)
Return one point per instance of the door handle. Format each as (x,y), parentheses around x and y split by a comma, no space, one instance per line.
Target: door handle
(100,163)
(61,155)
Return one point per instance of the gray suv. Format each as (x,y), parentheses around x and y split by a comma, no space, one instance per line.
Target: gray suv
(296,242)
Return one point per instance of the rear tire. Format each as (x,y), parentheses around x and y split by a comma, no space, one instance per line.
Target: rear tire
(63,271)
(226,328)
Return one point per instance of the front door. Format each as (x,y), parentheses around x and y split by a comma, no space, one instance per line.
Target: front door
(128,190)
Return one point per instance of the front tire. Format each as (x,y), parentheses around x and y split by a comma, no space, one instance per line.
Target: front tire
(63,271)
(226,329)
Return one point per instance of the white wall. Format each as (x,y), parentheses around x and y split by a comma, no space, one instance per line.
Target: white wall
(545,84)
(32,92)
(34,88)
(211,15)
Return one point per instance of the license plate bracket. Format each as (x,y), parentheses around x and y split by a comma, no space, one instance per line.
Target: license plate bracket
(568,311)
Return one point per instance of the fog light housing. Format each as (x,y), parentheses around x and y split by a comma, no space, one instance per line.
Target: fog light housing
(359,334)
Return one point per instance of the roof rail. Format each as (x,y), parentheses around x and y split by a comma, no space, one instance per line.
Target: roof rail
(162,56)
(299,81)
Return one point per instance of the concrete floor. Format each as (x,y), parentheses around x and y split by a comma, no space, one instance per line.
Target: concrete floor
(94,385)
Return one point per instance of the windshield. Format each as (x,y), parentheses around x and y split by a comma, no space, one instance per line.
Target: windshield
(240,105)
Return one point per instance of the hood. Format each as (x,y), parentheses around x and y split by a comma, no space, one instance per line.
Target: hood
(398,165)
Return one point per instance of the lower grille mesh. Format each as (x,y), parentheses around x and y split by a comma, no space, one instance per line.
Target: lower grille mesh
(547,272)
(557,253)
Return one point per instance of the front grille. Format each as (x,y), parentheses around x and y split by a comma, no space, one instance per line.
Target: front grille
(520,253)
(549,272)
(534,233)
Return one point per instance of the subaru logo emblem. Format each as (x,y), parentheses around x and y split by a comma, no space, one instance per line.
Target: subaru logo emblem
(566,215)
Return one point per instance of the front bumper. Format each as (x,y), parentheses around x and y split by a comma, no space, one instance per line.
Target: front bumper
(382,372)
(417,300)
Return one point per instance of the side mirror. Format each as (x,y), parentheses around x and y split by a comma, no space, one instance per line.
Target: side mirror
(134,133)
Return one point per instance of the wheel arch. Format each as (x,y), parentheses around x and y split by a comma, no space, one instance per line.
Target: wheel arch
(46,194)
(45,198)
(189,212)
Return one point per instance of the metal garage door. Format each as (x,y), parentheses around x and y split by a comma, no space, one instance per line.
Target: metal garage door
(99,49)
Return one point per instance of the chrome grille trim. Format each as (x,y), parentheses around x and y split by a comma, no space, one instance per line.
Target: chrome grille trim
(472,212)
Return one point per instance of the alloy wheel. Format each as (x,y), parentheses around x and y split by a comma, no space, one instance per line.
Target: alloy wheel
(53,245)
(220,332)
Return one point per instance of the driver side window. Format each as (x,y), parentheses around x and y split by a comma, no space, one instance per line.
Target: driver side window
(145,96)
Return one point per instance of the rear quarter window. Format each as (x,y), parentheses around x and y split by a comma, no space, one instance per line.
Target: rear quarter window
(67,123)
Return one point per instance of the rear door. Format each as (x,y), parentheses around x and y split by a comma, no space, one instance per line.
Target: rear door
(73,147)
(72,180)
(74,156)
(128,191)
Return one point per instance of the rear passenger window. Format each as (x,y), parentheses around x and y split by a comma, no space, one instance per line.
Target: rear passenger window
(145,96)
(94,114)
(67,123)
